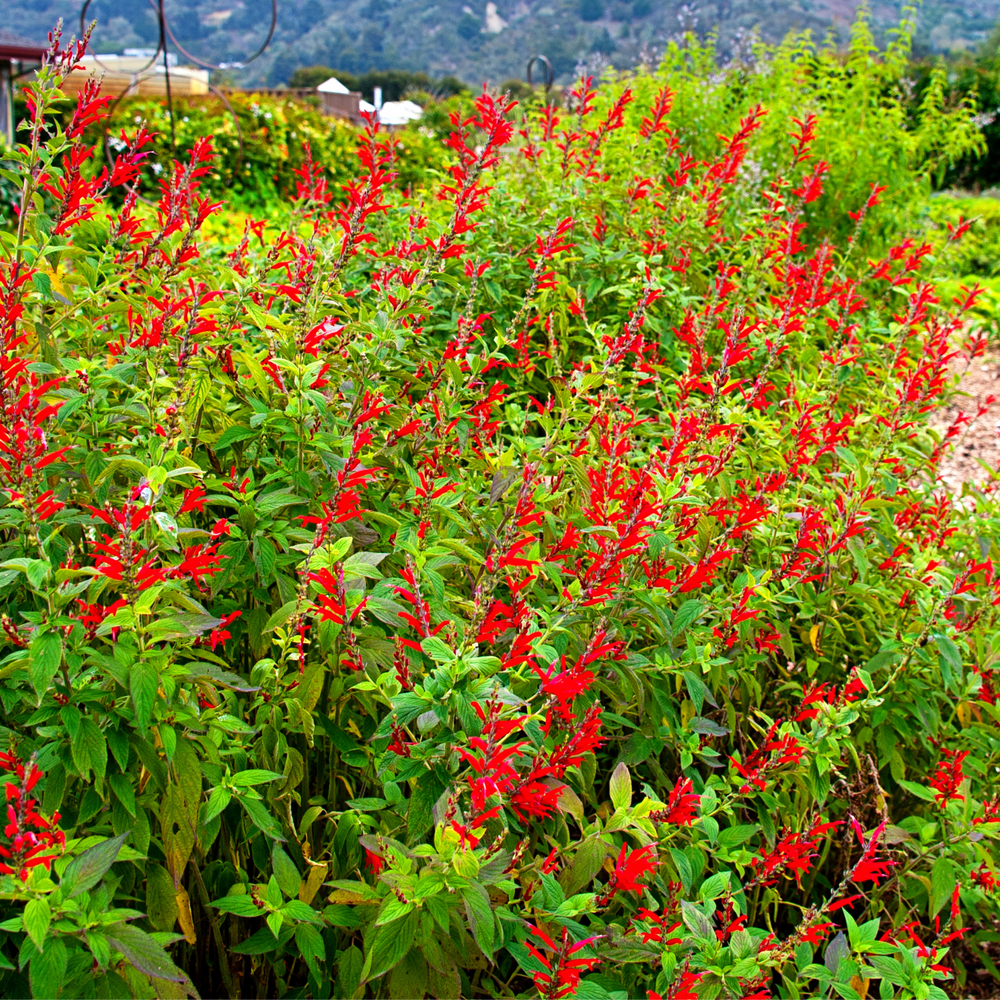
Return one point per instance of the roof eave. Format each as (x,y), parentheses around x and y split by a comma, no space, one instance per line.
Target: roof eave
(27,53)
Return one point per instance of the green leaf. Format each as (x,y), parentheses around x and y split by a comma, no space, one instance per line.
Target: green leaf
(285,872)
(232,435)
(684,868)
(37,917)
(46,656)
(585,865)
(950,652)
(309,942)
(224,678)
(480,914)
(259,943)
(391,943)
(921,791)
(47,972)
(143,682)
(85,871)
(262,819)
(217,802)
(436,649)
(621,787)
(265,558)
(90,749)
(242,905)
(889,968)
(734,835)
(410,978)
(943,882)
(124,792)
(161,898)
(275,501)
(281,615)
(699,925)
(298,910)
(177,832)
(146,955)
(686,615)
(349,971)
(254,776)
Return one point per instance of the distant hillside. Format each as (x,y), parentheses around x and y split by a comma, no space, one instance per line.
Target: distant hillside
(474,39)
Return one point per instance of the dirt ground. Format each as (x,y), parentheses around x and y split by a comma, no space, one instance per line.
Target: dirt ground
(979,443)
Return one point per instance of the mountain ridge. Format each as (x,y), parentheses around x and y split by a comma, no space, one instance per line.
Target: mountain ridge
(476,40)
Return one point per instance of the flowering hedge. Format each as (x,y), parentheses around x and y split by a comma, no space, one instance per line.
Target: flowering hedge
(536,586)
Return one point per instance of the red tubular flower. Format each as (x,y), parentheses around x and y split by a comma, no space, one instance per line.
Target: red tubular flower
(194,499)
(985,877)
(685,986)
(793,854)
(199,561)
(562,972)
(31,839)
(681,807)
(991,812)
(220,633)
(949,777)
(870,868)
(770,755)
(630,867)
(375,862)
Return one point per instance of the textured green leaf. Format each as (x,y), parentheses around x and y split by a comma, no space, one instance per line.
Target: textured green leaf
(409,979)
(177,832)
(161,898)
(147,955)
(391,943)
(85,871)
(480,914)
(47,972)
(621,787)
(46,655)
(37,917)
(285,872)
(143,682)
(241,905)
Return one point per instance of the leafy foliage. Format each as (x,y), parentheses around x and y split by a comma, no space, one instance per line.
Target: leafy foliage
(533,584)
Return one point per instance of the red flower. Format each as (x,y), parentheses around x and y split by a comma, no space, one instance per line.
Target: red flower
(629,869)
(375,862)
(31,839)
(870,868)
(194,499)
(949,777)
(984,876)
(770,755)
(562,972)
(991,812)
(681,805)
(685,986)
(792,852)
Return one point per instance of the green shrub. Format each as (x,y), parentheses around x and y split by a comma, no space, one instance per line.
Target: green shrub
(536,583)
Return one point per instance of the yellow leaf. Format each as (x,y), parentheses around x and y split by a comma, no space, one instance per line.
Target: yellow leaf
(861,985)
(814,638)
(311,883)
(351,898)
(687,712)
(964,711)
(184,915)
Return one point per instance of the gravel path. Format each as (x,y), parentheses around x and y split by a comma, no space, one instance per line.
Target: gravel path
(980,442)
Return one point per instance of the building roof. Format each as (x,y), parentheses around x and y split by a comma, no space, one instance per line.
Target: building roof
(15,47)
(332,86)
(399,112)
